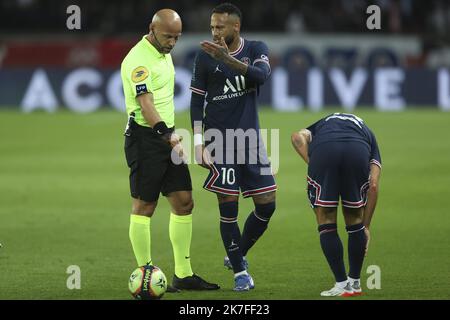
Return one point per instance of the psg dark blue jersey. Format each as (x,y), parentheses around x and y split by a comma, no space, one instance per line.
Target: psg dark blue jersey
(230,96)
(344,127)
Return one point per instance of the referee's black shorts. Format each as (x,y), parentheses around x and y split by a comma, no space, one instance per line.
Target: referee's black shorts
(151,168)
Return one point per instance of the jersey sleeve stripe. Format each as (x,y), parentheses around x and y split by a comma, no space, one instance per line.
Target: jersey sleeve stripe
(198,91)
(265,61)
(375,162)
(261,60)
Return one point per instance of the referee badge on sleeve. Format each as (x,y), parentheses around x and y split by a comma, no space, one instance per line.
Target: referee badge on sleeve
(141,88)
(139,74)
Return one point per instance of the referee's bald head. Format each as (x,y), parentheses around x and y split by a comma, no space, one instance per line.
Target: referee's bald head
(165,29)
(167,20)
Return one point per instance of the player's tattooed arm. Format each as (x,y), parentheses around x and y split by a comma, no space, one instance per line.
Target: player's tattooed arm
(221,53)
(300,141)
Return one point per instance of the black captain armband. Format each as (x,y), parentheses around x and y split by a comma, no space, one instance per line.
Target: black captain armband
(161,130)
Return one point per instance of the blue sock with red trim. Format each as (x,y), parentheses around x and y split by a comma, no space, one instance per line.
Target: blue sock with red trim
(231,235)
(332,248)
(356,249)
(256,224)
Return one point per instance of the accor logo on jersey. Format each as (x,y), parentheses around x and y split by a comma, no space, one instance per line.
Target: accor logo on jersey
(234,88)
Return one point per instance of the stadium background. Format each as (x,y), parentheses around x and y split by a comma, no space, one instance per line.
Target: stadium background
(63,179)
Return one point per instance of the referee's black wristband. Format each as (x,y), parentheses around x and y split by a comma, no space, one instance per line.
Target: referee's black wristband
(160,128)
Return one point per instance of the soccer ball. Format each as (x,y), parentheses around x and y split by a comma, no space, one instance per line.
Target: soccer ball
(147,283)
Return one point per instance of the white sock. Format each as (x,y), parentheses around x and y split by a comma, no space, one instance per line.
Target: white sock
(241,273)
(341,284)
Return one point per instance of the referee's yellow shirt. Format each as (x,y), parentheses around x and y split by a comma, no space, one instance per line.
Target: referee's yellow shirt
(145,69)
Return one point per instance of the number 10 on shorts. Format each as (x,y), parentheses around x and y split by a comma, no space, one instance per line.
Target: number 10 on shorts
(228,176)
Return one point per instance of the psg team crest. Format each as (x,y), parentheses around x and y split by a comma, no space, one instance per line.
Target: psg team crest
(245,60)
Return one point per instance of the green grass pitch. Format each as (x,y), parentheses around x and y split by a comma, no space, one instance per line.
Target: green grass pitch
(64,201)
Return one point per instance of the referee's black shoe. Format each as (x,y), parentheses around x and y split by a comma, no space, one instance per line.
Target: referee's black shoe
(193,282)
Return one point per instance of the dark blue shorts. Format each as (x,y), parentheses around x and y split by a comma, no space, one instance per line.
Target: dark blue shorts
(232,178)
(339,169)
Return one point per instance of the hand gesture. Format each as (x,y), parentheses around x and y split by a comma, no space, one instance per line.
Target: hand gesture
(216,50)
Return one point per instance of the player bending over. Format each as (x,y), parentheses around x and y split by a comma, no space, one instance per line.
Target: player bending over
(343,161)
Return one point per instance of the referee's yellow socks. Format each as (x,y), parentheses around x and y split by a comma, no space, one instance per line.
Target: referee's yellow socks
(140,238)
(180,232)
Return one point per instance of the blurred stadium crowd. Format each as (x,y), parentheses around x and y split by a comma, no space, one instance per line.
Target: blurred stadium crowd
(427,18)
(428,21)
(308,39)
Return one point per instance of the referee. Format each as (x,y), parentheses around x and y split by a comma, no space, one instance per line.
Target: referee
(148,77)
